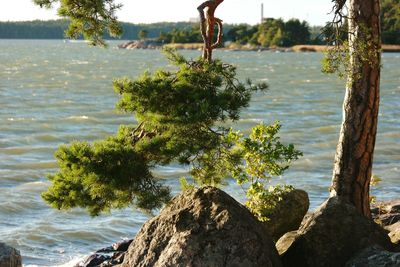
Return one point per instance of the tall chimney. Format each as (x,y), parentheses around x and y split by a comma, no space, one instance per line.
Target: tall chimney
(262,12)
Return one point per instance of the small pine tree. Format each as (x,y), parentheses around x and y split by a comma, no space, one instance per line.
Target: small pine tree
(182,117)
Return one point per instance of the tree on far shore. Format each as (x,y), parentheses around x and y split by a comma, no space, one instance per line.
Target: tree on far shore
(142,34)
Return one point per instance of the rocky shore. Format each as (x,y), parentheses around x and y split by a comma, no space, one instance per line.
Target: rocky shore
(206,227)
(154,44)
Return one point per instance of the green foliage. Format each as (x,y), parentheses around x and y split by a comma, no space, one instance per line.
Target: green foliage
(296,32)
(276,32)
(336,60)
(142,34)
(262,201)
(252,161)
(54,29)
(190,34)
(91,18)
(375,181)
(270,32)
(390,19)
(180,114)
(363,51)
(96,19)
(264,156)
(185,185)
(242,34)
(107,174)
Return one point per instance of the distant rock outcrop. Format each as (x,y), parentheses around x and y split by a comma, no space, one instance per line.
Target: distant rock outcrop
(332,235)
(9,256)
(141,44)
(203,227)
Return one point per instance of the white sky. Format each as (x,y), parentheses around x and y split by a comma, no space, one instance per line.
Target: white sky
(147,11)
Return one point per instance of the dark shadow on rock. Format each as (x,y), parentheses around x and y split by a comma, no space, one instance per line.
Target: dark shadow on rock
(288,214)
(375,256)
(332,235)
(9,256)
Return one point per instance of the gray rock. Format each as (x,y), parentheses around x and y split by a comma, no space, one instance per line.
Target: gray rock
(288,214)
(9,256)
(122,245)
(394,232)
(94,260)
(285,242)
(375,256)
(141,44)
(387,213)
(332,235)
(202,227)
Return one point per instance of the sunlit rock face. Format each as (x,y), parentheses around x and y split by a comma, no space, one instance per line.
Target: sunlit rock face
(203,227)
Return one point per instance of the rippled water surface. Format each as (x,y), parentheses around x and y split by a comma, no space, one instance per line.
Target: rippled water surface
(52,93)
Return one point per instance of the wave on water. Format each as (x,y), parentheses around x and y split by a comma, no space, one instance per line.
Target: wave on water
(78,118)
(21,119)
(73,262)
(79,62)
(67,97)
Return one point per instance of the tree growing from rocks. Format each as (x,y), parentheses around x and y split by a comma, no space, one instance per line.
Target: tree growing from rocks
(360,59)
(181,117)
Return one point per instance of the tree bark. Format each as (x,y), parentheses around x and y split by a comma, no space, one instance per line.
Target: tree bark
(354,153)
(207,24)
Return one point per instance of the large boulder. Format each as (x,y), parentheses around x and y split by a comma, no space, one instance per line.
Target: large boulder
(288,213)
(202,227)
(332,235)
(374,256)
(9,257)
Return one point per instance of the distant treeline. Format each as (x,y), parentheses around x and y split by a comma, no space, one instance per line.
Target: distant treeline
(270,33)
(54,29)
(281,33)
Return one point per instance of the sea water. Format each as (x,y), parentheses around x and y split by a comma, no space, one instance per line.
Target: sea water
(52,93)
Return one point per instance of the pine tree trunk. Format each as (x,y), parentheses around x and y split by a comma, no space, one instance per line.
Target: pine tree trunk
(354,153)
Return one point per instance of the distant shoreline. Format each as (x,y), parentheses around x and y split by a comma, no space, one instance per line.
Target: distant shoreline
(236,47)
(323,48)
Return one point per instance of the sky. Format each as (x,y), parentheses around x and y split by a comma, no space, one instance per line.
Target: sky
(148,11)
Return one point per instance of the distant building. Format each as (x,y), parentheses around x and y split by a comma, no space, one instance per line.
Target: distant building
(262,12)
(194,20)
